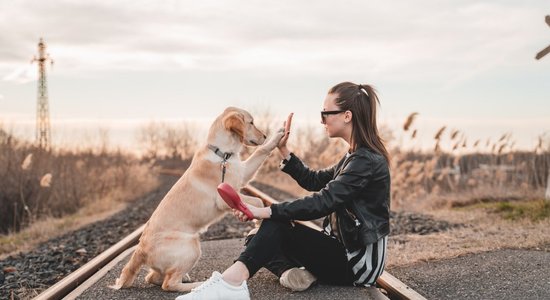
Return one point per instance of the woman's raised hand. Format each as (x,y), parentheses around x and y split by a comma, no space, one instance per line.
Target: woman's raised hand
(282,143)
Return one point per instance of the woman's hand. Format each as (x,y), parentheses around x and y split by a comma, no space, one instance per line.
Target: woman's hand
(258,213)
(282,143)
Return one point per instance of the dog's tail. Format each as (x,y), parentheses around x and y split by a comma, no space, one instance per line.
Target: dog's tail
(130,271)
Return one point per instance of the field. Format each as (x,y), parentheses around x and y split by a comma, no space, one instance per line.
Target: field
(46,193)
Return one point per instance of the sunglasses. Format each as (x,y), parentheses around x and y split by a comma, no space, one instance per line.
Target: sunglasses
(325,113)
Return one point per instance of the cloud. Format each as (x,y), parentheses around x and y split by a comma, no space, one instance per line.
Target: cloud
(22,74)
(385,40)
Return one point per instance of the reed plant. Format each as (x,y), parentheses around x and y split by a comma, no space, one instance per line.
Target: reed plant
(453,172)
(456,172)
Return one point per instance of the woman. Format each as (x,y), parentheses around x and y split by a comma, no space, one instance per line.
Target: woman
(354,195)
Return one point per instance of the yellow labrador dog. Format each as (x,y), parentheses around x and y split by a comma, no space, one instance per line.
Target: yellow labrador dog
(170,244)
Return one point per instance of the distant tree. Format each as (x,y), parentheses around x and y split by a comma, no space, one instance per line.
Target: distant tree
(179,140)
(160,139)
(150,139)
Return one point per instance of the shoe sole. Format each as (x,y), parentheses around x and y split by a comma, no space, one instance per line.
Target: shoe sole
(298,280)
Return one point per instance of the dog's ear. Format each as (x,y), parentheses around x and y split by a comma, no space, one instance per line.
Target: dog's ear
(234,122)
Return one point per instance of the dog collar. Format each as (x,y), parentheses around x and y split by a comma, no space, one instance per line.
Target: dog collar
(224,156)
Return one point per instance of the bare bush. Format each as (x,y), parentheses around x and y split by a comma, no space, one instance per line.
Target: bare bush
(35,184)
(166,141)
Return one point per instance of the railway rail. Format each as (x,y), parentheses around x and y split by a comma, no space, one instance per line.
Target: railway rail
(75,283)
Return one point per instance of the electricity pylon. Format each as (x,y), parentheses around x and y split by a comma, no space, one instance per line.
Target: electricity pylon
(43,130)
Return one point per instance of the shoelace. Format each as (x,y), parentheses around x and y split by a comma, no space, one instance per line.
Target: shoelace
(207,283)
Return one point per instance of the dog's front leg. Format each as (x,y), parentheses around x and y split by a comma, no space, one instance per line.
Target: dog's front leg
(253,163)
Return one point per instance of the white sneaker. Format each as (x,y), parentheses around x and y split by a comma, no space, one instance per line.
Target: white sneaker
(216,288)
(297,279)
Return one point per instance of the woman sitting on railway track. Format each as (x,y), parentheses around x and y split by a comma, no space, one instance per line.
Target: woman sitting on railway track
(354,195)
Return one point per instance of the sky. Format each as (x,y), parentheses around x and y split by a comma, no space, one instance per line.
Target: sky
(464,64)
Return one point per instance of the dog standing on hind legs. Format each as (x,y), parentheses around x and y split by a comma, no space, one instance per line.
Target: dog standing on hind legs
(170,243)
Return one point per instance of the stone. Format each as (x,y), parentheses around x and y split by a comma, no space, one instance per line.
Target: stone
(81,251)
(9,269)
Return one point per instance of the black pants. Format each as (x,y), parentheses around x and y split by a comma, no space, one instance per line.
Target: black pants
(280,245)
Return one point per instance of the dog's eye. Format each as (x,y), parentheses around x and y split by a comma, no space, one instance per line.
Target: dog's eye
(252,122)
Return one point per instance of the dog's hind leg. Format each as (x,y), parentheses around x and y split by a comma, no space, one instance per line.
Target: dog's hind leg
(174,275)
(172,282)
(130,271)
(154,277)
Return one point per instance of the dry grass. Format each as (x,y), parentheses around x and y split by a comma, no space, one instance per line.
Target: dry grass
(44,194)
(47,193)
(485,231)
(48,227)
(459,172)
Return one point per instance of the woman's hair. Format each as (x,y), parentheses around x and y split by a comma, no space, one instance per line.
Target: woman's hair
(361,100)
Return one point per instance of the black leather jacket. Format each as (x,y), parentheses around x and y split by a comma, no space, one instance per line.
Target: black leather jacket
(359,185)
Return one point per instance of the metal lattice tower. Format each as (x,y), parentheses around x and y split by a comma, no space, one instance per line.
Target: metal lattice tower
(43,130)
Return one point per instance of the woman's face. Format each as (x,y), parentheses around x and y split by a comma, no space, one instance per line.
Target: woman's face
(335,124)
